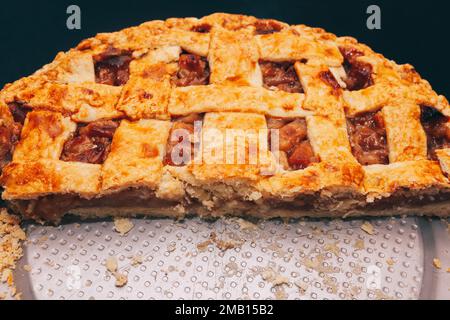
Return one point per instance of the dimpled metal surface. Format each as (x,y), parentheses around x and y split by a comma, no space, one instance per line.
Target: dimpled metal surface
(234,259)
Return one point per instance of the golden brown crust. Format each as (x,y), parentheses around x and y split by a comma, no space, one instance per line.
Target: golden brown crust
(43,136)
(224,152)
(146,94)
(406,139)
(136,155)
(289,45)
(233,58)
(27,180)
(381,181)
(64,93)
(211,98)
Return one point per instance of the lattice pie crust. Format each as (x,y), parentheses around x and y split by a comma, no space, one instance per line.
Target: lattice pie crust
(92,132)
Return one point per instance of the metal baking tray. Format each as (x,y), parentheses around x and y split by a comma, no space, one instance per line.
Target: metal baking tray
(235,259)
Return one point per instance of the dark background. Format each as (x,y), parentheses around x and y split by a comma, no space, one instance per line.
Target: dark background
(415,32)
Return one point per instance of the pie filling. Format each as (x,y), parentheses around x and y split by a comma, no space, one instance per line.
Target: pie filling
(202,28)
(182,131)
(295,151)
(437,130)
(329,79)
(404,199)
(90,143)
(193,70)
(359,74)
(281,76)
(9,137)
(53,207)
(18,111)
(267,27)
(367,135)
(10,134)
(112,67)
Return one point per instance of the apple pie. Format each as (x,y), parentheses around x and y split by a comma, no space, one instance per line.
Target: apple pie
(223,115)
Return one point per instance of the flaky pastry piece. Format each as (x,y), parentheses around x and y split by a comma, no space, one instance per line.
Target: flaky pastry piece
(97,132)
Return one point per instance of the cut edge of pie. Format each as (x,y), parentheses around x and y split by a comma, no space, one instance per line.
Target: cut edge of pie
(90,133)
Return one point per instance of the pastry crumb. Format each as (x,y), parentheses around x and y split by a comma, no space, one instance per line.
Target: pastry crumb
(390,262)
(136,260)
(11,239)
(121,279)
(359,245)
(171,247)
(111,264)
(280,293)
(27,268)
(333,248)
(223,245)
(331,284)
(273,277)
(231,269)
(245,224)
(123,225)
(380,295)
(302,287)
(277,281)
(316,263)
(437,263)
(202,246)
(367,227)
(42,240)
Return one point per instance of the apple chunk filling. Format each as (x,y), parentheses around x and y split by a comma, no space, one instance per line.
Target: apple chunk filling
(295,151)
(181,143)
(193,70)
(280,76)
(91,143)
(359,73)
(368,140)
(437,130)
(112,67)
